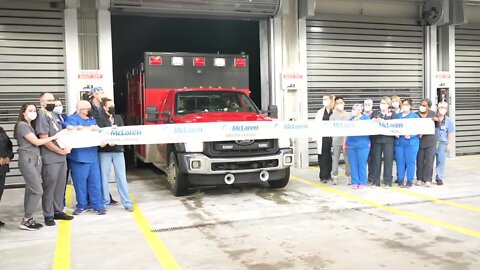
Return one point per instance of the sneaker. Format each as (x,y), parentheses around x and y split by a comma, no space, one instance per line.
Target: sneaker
(49,221)
(419,183)
(30,225)
(361,186)
(355,186)
(387,186)
(409,184)
(1,224)
(100,211)
(335,180)
(428,184)
(62,216)
(439,182)
(129,209)
(113,202)
(79,211)
(401,184)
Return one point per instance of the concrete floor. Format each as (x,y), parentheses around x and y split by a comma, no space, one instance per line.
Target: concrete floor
(304,226)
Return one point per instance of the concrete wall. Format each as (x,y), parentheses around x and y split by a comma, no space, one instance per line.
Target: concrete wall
(473,14)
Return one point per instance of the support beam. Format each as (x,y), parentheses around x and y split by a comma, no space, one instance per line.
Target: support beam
(72,57)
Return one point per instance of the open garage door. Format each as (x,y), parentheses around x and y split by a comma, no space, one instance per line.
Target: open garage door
(467,88)
(31,59)
(359,57)
(232,9)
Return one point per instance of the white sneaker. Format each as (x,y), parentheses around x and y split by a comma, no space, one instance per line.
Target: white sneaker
(335,180)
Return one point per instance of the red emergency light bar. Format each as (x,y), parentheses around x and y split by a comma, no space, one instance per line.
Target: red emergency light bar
(240,62)
(199,61)
(155,60)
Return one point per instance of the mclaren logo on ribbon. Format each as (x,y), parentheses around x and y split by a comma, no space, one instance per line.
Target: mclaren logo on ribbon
(243,133)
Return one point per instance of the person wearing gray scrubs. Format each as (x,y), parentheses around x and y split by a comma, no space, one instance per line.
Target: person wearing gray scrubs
(428,144)
(30,163)
(339,114)
(54,170)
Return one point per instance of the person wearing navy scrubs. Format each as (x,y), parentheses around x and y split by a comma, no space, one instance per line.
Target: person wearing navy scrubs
(406,148)
(358,149)
(84,164)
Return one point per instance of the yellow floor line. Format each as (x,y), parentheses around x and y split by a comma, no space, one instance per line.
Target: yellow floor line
(397,211)
(62,250)
(463,164)
(156,244)
(433,199)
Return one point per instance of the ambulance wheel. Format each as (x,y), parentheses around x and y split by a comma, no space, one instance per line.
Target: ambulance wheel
(176,180)
(280,183)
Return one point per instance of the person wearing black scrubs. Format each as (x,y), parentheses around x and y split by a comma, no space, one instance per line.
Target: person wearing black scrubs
(324,144)
(428,145)
(6,156)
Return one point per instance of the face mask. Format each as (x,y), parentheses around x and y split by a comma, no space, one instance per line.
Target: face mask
(367,108)
(442,111)
(50,107)
(395,104)
(405,108)
(111,110)
(383,107)
(422,109)
(340,107)
(31,116)
(58,110)
(326,103)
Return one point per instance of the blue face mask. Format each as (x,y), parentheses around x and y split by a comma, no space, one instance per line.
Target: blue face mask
(58,110)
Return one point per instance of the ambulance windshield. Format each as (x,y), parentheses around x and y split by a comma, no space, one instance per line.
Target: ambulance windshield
(213,101)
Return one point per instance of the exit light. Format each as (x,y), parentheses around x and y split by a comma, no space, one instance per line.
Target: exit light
(199,61)
(219,62)
(240,62)
(177,61)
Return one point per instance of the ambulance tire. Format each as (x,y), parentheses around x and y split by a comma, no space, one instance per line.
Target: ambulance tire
(280,183)
(177,181)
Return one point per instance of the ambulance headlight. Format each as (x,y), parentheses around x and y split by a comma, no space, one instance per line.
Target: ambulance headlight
(284,143)
(194,147)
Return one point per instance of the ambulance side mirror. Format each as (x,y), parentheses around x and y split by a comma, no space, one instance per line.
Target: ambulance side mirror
(272,111)
(152,113)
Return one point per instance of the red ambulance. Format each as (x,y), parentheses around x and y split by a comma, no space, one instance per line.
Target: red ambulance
(190,88)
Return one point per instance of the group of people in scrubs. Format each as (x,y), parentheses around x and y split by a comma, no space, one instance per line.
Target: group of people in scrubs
(365,156)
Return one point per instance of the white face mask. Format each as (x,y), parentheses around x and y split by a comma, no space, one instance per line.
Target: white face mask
(367,108)
(58,110)
(405,108)
(422,109)
(383,107)
(442,111)
(340,107)
(395,104)
(31,116)
(326,103)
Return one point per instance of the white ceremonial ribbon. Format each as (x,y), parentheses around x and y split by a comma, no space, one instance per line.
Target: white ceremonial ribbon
(229,131)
